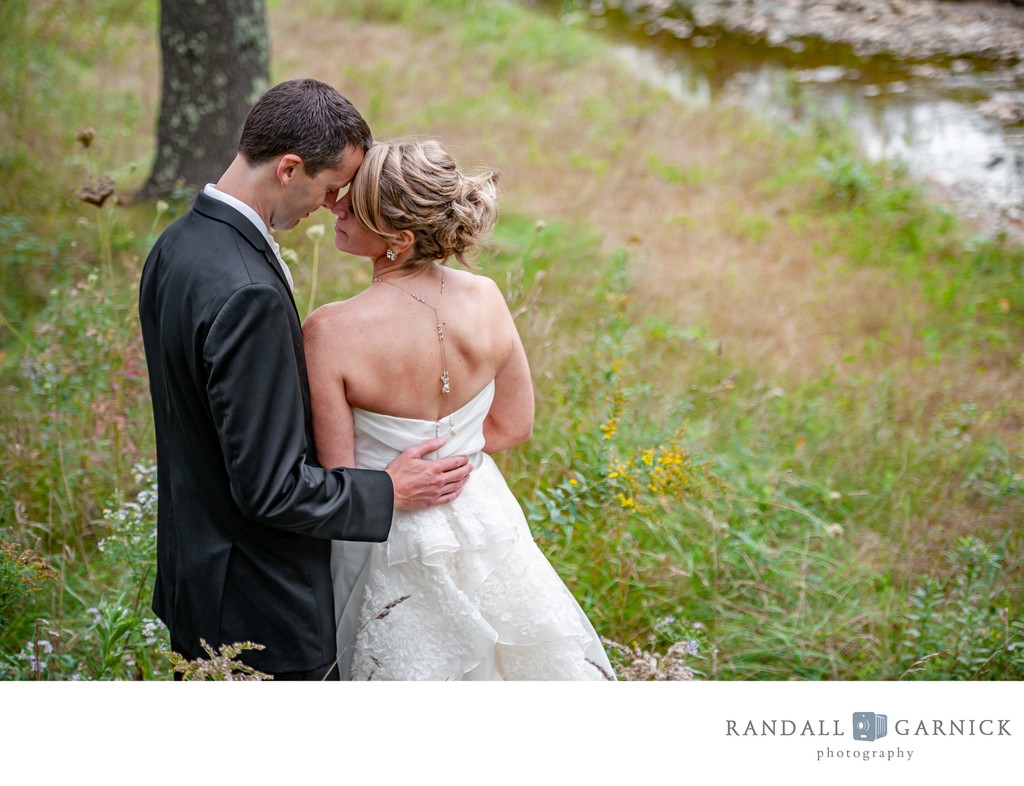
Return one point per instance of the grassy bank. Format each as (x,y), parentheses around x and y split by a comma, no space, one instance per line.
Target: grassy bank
(779,421)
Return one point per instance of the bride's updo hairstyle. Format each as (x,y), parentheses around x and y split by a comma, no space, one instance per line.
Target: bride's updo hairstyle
(417,186)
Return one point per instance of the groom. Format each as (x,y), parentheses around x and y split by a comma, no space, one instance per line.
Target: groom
(246,515)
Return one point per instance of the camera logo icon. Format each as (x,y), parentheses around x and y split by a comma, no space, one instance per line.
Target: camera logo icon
(869,726)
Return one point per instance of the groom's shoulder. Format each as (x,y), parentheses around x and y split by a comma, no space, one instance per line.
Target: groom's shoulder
(201,274)
(198,232)
(197,242)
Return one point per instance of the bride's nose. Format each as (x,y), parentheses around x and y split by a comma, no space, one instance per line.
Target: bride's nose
(340,207)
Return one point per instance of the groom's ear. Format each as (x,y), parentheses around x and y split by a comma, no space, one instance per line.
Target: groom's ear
(287,167)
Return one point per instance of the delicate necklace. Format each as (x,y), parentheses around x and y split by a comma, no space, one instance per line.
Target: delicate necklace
(446,387)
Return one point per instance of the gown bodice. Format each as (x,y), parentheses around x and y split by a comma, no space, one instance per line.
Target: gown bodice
(380,438)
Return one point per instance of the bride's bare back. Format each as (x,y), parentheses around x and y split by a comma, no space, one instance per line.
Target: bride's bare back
(477,336)
(379,351)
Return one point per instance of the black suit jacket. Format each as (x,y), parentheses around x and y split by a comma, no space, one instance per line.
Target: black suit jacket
(245,514)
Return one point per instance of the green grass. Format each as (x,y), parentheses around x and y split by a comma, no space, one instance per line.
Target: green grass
(857,520)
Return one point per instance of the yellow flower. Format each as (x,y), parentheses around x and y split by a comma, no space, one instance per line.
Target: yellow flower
(610,427)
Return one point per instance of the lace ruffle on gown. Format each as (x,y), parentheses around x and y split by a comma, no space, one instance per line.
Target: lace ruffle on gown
(459,591)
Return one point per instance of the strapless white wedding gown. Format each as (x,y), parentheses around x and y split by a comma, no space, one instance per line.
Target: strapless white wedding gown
(459,591)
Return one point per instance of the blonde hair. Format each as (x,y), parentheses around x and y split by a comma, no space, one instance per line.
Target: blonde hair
(417,186)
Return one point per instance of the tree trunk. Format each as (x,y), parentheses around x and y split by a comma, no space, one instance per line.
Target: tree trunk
(216,63)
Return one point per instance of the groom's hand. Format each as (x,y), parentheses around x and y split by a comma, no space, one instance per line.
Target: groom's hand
(421,483)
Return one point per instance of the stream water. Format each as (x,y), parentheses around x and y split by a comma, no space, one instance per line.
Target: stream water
(934,117)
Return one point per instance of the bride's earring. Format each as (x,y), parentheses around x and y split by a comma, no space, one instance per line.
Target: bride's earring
(392,255)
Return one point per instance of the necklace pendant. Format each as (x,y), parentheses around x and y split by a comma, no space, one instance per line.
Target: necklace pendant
(440,332)
(445,387)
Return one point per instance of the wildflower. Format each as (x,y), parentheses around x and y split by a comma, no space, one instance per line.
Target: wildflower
(618,470)
(150,631)
(573,482)
(610,427)
(33,654)
(834,529)
(85,136)
(626,502)
(97,193)
(315,232)
(290,255)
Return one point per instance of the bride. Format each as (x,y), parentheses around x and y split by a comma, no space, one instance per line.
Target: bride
(460,591)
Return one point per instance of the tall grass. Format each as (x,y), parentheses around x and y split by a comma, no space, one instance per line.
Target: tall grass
(856,519)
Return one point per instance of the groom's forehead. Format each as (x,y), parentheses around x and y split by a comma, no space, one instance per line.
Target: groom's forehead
(351,160)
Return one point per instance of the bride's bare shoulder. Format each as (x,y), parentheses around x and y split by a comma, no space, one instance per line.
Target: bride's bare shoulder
(332,315)
(479,284)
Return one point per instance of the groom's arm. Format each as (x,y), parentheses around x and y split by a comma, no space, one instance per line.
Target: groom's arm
(257,406)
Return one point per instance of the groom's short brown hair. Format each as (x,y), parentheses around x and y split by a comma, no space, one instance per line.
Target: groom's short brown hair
(305,117)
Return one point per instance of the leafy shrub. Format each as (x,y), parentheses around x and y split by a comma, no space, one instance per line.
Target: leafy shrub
(21,573)
(962,628)
(115,638)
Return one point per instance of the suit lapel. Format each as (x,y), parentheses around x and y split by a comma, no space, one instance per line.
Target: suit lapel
(219,211)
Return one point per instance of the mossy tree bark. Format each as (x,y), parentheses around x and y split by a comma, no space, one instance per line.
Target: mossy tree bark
(216,64)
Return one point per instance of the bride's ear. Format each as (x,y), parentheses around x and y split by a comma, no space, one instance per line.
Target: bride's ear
(403,242)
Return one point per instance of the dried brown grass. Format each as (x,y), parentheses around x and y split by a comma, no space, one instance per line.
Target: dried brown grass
(773,299)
